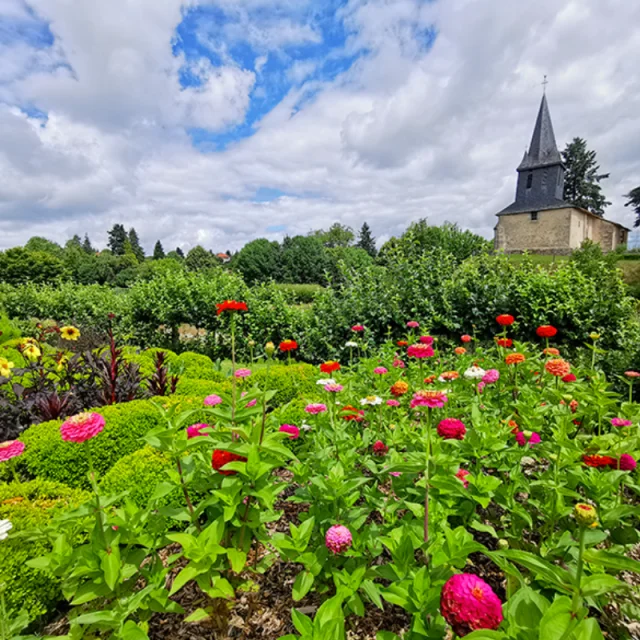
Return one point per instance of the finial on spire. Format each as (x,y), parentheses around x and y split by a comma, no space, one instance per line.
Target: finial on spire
(545,82)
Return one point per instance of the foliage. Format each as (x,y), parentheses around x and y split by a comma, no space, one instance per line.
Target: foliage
(582,177)
(158,251)
(199,259)
(338,235)
(304,260)
(366,241)
(633,201)
(258,261)
(29,505)
(288,382)
(117,239)
(301,293)
(19,266)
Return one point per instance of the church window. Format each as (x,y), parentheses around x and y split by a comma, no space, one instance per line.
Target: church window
(529,181)
(534,216)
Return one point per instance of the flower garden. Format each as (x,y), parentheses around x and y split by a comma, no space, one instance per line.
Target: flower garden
(419,488)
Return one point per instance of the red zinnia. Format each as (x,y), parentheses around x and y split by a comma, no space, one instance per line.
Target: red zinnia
(504,342)
(352,414)
(288,345)
(221,457)
(596,461)
(231,305)
(466,338)
(570,377)
(380,448)
(330,366)
(505,320)
(402,343)
(546,331)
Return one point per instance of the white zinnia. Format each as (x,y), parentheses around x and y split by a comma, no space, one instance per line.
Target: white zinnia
(474,373)
(5,527)
(326,381)
(372,400)
(351,344)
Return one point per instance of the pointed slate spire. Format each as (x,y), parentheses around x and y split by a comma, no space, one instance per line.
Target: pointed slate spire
(543,149)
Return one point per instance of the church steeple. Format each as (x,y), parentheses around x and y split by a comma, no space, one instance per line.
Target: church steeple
(541,172)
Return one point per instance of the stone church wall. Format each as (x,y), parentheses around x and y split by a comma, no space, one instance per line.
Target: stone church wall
(550,233)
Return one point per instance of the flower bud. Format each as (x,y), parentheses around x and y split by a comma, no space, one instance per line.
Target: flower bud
(269,349)
(594,336)
(585,514)
(503,544)
(251,343)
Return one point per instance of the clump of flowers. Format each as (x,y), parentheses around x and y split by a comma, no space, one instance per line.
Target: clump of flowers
(430,379)
(420,351)
(558,367)
(315,408)
(425,340)
(338,539)
(380,448)
(468,603)
(399,388)
(546,331)
(288,345)
(451,429)
(392,403)
(5,368)
(505,320)
(332,387)
(466,338)
(242,373)
(82,427)
(221,457)
(371,400)
(412,324)
(621,422)
(474,373)
(527,437)
(212,400)
(491,376)
(231,305)
(462,476)
(459,351)
(11,449)
(350,413)
(380,371)
(330,366)
(69,333)
(505,343)
(291,429)
(448,376)
(514,358)
(431,399)
(195,430)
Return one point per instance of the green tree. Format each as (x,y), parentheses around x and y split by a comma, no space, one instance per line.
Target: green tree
(134,241)
(582,177)
(180,253)
(337,235)
(346,260)
(366,241)
(117,239)
(86,245)
(38,243)
(158,251)
(258,261)
(304,260)
(19,265)
(633,198)
(199,259)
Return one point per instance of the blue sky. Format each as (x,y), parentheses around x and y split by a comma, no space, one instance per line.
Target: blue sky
(214,122)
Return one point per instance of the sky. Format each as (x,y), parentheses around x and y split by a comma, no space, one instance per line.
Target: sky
(217,122)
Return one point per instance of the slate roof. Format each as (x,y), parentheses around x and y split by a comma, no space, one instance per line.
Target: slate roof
(525,207)
(543,149)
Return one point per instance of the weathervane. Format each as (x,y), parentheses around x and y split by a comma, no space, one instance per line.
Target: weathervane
(545,82)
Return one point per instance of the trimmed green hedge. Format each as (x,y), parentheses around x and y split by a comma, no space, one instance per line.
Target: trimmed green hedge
(30,505)
(196,366)
(287,381)
(48,456)
(201,388)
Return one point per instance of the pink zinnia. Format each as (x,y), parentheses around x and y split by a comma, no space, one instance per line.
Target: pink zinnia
(521,439)
(338,538)
(468,603)
(380,448)
(426,340)
(621,422)
(357,328)
(412,324)
(430,399)
(10,449)
(632,374)
(195,430)
(242,373)
(380,371)
(212,400)
(82,427)
(252,403)
(393,403)
(491,376)
(481,386)
(315,408)
(292,430)
(462,476)
(398,364)
(420,351)
(570,377)
(451,429)
(627,463)
(333,388)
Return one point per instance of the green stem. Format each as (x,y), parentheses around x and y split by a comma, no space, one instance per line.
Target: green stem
(577,594)
(233,371)
(94,486)
(264,402)
(426,486)
(4,619)
(187,497)
(630,392)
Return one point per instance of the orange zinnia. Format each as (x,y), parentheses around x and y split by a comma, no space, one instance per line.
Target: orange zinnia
(460,351)
(514,358)
(449,375)
(330,366)
(551,351)
(558,367)
(399,388)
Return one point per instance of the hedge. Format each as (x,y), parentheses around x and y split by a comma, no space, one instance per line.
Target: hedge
(287,381)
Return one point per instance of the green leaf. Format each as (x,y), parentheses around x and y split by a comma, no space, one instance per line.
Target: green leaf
(526,608)
(301,622)
(197,615)
(601,583)
(237,558)
(485,634)
(97,617)
(162,489)
(187,574)
(302,584)
(131,631)
(557,620)
(387,635)
(541,569)
(588,629)
(110,565)
(371,589)
(611,560)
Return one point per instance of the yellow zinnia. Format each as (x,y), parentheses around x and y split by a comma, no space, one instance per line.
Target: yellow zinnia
(31,352)
(69,333)
(5,368)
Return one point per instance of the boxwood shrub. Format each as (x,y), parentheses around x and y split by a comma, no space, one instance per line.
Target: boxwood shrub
(288,382)
(30,505)
(197,367)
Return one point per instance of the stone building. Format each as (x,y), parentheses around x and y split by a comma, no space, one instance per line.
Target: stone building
(540,221)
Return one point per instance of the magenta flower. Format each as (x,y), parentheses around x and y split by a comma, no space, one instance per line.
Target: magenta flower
(468,603)
(490,376)
(393,403)
(82,427)
(252,403)
(522,440)
(627,463)
(332,387)
(462,476)
(430,399)
(380,448)
(11,449)
(212,400)
(420,351)
(398,364)
(395,474)
(380,371)
(338,539)
(426,340)
(292,430)
(315,408)
(451,429)
(195,430)
(481,386)
(412,324)
(358,328)
(242,373)
(621,422)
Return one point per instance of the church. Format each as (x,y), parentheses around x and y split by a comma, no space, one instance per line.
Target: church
(539,220)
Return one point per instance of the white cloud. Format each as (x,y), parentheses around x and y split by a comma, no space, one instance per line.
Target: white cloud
(408,132)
